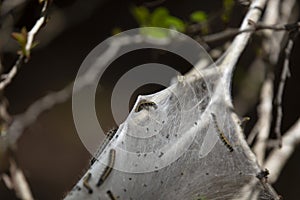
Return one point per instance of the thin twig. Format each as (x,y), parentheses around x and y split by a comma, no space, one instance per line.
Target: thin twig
(7,78)
(232,32)
(284,75)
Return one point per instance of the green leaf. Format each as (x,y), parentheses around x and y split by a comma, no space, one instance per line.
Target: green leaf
(198,16)
(158,17)
(20,37)
(141,15)
(174,22)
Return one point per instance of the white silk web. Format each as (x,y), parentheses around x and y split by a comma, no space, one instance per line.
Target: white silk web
(183,142)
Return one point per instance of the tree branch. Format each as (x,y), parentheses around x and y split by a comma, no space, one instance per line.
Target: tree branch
(279,157)
(232,32)
(7,78)
(284,75)
(264,122)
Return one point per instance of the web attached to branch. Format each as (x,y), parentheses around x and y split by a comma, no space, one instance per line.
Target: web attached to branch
(180,143)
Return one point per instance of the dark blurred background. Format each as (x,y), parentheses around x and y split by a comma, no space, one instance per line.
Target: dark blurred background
(50,151)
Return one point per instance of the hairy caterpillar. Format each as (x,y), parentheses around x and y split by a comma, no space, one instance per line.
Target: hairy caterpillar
(110,134)
(145,105)
(108,168)
(221,134)
(86,183)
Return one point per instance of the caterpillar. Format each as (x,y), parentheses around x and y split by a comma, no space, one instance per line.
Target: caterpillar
(86,183)
(110,194)
(108,168)
(221,134)
(110,134)
(145,105)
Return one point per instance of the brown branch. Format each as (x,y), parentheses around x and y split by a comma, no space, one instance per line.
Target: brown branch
(232,32)
(7,78)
